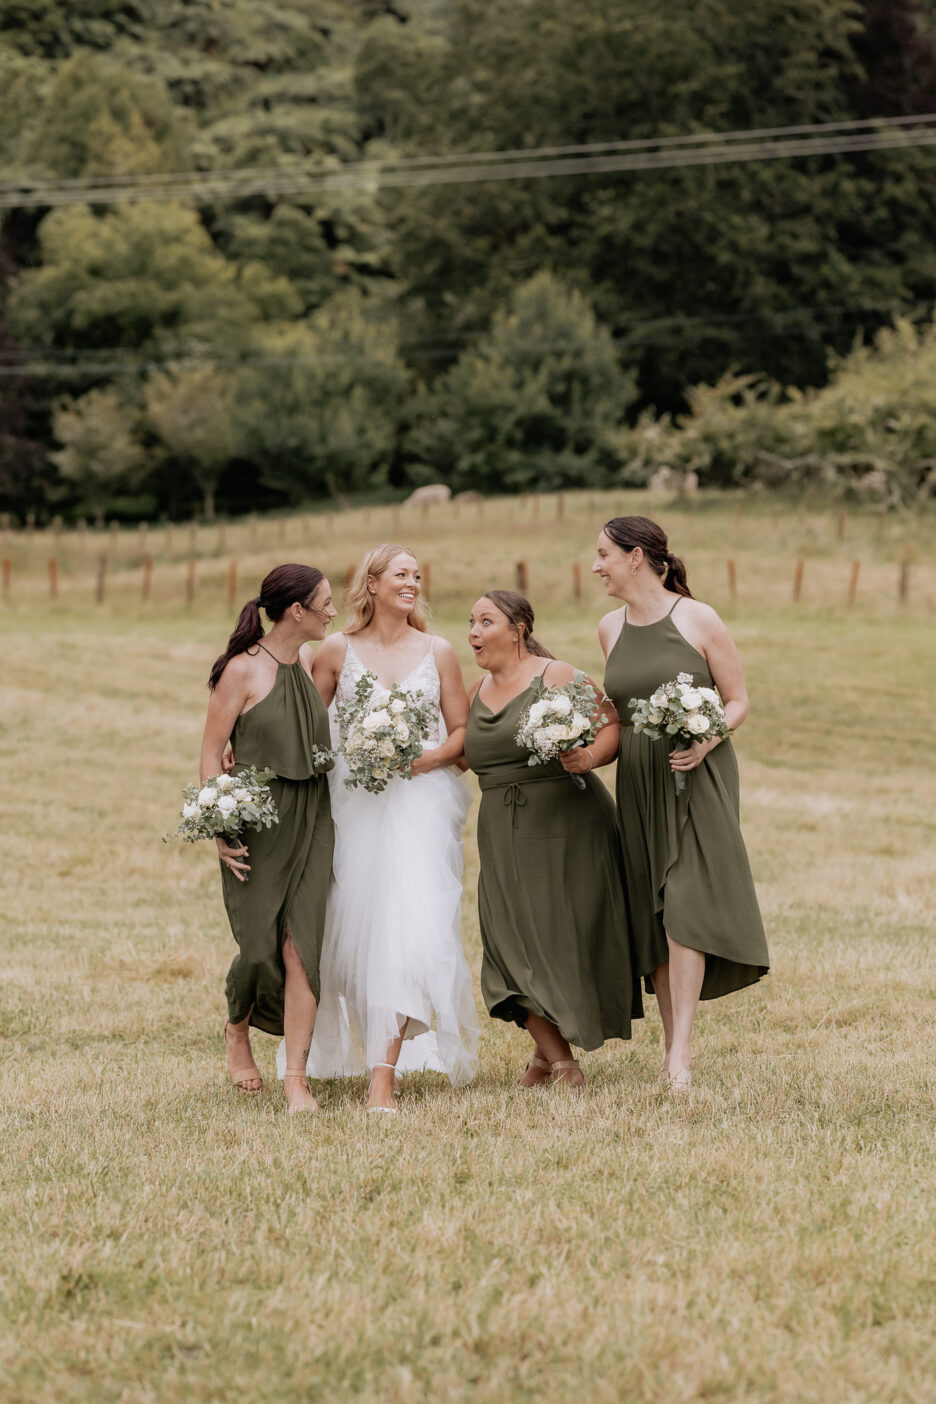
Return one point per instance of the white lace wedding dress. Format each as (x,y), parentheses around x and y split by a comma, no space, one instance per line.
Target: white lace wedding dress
(392,947)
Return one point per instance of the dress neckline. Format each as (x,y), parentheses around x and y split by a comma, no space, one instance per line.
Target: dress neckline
(411,674)
(653,622)
(510,702)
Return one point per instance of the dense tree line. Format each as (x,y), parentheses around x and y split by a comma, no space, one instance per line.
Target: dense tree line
(218,353)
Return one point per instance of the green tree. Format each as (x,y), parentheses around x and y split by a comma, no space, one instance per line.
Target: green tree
(101,453)
(535,405)
(189,408)
(321,413)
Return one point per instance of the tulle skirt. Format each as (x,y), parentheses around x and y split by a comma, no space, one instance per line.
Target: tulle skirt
(392,953)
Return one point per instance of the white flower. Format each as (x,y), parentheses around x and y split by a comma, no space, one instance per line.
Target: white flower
(555,732)
(561,706)
(373,720)
(691,699)
(379,773)
(658,699)
(541,737)
(207,796)
(684,678)
(397,706)
(655,718)
(402,732)
(709,694)
(386,749)
(380,696)
(697,724)
(579,723)
(189,811)
(241,795)
(227,804)
(224,782)
(538,711)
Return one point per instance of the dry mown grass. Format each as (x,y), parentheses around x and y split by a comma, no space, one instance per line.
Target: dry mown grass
(770,1238)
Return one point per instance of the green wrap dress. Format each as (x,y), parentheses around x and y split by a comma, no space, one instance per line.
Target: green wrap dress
(686,865)
(290,863)
(550,891)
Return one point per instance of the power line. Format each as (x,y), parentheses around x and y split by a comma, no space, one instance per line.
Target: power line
(661,154)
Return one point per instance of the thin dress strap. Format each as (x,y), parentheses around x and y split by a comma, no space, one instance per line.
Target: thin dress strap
(269,654)
(674,604)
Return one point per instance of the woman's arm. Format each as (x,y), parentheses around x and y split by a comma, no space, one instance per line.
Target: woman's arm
(721,654)
(454,703)
(604,748)
(327,665)
(225,705)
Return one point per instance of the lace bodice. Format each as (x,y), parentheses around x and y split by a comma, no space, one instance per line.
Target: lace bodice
(424,678)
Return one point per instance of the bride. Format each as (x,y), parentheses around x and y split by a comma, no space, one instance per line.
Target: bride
(396,989)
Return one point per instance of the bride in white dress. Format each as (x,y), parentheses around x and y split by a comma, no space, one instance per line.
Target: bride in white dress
(396,989)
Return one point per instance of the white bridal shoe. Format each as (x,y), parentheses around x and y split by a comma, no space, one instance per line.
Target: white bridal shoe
(387,1111)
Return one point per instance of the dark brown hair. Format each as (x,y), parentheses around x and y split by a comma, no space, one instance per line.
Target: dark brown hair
(628,532)
(285,585)
(519,611)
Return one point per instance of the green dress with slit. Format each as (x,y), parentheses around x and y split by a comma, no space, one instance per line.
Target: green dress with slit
(550,891)
(685,861)
(290,863)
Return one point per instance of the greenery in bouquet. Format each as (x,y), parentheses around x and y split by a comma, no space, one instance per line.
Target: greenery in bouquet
(682,711)
(383,730)
(559,719)
(225,805)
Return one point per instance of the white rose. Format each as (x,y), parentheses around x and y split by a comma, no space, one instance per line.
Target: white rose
(189,811)
(561,706)
(538,711)
(697,724)
(207,796)
(708,693)
(655,718)
(227,804)
(397,706)
(241,795)
(373,720)
(380,774)
(691,699)
(380,696)
(555,732)
(579,722)
(386,749)
(658,699)
(541,737)
(223,782)
(402,732)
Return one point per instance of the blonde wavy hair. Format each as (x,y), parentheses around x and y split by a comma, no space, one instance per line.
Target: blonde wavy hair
(360,603)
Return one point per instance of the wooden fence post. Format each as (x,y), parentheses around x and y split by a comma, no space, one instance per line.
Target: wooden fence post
(190,583)
(576,581)
(193,538)
(53,578)
(7,576)
(427,580)
(560,507)
(903,584)
(522,577)
(732,581)
(101,578)
(853,582)
(232,585)
(797,581)
(147,578)
(30,525)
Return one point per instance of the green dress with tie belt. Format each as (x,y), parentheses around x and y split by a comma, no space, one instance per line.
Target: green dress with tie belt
(550,893)
(290,863)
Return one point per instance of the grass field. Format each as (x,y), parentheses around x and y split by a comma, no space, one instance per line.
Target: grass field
(771,1237)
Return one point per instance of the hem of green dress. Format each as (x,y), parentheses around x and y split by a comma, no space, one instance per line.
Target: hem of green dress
(507,1010)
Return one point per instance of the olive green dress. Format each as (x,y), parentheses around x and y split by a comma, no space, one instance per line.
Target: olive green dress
(290,863)
(686,865)
(550,892)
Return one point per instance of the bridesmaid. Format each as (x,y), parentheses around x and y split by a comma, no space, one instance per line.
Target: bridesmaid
(264,701)
(550,893)
(694,914)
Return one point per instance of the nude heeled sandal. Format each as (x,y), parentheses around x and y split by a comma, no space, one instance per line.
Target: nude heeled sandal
(541,1066)
(241,1076)
(557,1069)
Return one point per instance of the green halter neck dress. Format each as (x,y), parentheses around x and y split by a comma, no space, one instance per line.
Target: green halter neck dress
(687,868)
(550,891)
(290,863)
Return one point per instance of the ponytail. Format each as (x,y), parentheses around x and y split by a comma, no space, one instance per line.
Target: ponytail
(675,578)
(628,532)
(248,631)
(285,585)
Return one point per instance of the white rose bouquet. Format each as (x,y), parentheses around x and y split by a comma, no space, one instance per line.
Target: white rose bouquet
(226,805)
(383,730)
(559,719)
(683,711)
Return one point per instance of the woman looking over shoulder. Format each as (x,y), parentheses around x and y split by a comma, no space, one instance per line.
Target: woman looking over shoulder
(696,923)
(396,989)
(550,891)
(264,701)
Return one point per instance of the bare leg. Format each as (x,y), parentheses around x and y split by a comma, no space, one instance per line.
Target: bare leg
(686,972)
(298,1023)
(533,1075)
(662,991)
(240,1058)
(554,1048)
(382,1078)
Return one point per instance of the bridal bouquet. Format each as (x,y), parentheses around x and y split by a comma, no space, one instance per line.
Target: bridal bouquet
(559,719)
(383,730)
(683,711)
(226,805)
